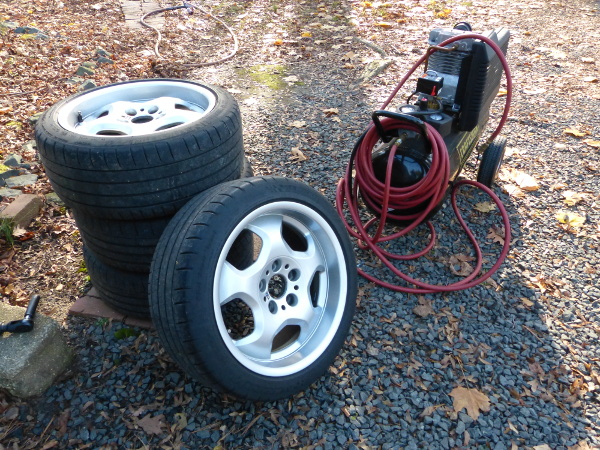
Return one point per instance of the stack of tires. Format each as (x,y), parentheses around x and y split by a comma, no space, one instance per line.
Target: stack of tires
(250,283)
(125,158)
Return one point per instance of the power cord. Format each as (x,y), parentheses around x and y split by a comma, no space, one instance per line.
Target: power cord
(190,8)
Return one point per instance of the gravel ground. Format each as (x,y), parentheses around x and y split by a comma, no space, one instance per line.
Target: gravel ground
(528,340)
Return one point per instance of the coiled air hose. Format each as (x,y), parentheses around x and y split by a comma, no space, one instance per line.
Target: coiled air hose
(385,199)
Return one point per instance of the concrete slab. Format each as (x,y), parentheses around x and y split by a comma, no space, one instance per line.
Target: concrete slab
(133,10)
(22,210)
(91,305)
(30,362)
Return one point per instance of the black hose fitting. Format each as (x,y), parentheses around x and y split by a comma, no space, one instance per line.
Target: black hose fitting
(24,325)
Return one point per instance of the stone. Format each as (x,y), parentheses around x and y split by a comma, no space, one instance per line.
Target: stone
(30,362)
(84,71)
(27,30)
(87,84)
(103,60)
(103,53)
(22,210)
(21,180)
(6,172)
(54,199)
(34,119)
(9,193)
(7,25)
(13,160)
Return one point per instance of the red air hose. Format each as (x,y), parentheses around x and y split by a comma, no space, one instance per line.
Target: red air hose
(382,197)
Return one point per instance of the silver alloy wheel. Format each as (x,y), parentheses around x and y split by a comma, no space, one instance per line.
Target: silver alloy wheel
(294,292)
(136,109)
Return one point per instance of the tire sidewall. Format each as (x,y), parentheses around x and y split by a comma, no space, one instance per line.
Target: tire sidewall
(208,343)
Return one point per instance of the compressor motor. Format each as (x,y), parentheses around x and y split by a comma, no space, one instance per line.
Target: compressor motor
(453,96)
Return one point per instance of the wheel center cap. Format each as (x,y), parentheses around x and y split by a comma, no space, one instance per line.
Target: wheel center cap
(277,286)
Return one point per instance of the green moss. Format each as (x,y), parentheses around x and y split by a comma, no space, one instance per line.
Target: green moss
(269,75)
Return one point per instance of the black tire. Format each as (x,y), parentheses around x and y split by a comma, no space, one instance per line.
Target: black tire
(311,273)
(123,244)
(149,173)
(491,160)
(127,244)
(126,292)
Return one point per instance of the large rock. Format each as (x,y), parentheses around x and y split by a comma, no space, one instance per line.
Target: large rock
(30,362)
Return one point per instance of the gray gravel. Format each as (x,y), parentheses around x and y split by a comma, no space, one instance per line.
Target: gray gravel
(529,340)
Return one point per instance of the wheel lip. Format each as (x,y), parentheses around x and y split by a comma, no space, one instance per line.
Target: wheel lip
(278,368)
(134,91)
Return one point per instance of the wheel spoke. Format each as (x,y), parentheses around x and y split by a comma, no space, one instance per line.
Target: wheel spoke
(241,284)
(259,343)
(268,228)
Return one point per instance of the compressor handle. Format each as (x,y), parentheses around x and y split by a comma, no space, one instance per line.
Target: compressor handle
(385,137)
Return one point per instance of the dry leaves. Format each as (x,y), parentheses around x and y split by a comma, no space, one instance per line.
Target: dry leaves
(298,124)
(574,132)
(570,219)
(485,207)
(151,425)
(592,143)
(297,155)
(471,399)
(496,235)
(424,308)
(571,198)
(525,181)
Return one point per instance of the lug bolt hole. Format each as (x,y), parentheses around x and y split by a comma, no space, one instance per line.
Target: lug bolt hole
(272,307)
(276,265)
(291,300)
(294,275)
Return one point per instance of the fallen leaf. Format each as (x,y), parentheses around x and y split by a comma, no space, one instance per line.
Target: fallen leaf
(534,91)
(558,186)
(542,447)
(298,155)
(465,269)
(331,111)
(151,425)
(424,308)
(513,190)
(496,236)
(592,143)
(572,197)
(384,25)
(525,181)
(278,42)
(574,132)
(471,399)
(571,219)
(581,445)
(485,207)
(291,79)
(348,56)
(181,420)
(590,79)
(587,60)
(298,124)
(557,54)
(502,92)
(306,34)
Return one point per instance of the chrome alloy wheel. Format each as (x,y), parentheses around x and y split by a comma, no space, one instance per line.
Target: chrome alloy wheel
(136,109)
(279,313)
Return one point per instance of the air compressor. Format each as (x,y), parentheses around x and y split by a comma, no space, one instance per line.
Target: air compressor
(409,159)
